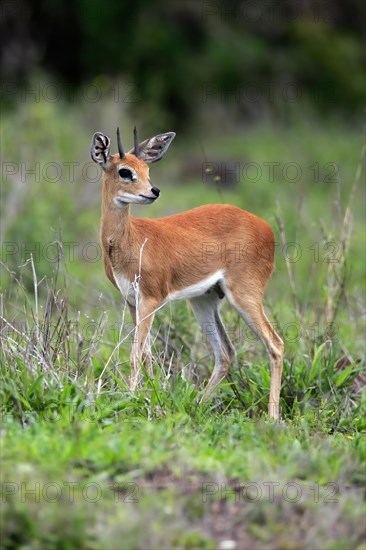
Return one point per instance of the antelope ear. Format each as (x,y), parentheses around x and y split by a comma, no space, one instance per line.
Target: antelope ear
(100,148)
(153,149)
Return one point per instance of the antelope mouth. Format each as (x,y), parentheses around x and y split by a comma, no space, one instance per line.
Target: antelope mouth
(128,198)
(151,199)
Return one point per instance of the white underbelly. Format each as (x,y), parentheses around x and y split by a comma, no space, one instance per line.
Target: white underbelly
(197,289)
(130,290)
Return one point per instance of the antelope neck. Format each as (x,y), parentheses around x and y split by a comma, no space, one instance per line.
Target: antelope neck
(116,222)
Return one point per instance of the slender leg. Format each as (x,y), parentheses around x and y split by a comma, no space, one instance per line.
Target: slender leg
(146,353)
(140,351)
(207,314)
(251,310)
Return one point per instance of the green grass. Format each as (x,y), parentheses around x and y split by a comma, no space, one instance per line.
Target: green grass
(157,469)
(111,469)
(156,483)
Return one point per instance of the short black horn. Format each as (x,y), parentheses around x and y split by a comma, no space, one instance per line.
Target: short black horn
(119,143)
(136,150)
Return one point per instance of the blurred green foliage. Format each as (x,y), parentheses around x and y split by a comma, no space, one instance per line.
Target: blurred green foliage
(171,52)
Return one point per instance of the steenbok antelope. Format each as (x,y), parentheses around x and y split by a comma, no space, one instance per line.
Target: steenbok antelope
(203,255)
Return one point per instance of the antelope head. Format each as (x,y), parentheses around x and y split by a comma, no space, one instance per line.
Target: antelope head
(126,175)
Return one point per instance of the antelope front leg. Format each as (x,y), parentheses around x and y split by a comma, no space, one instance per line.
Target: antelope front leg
(140,351)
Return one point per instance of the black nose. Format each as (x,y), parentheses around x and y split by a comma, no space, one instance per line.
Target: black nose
(156,191)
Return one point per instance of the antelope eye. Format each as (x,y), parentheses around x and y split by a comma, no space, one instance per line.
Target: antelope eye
(125,173)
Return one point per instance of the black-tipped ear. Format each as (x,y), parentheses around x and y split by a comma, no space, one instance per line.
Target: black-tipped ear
(153,149)
(100,148)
